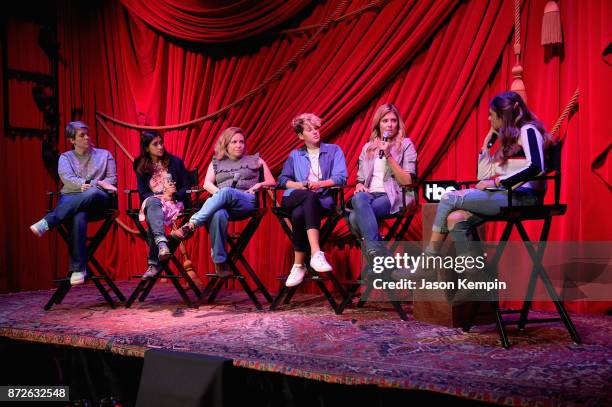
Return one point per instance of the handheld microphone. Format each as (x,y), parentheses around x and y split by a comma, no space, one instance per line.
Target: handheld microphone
(236,179)
(492,140)
(385,137)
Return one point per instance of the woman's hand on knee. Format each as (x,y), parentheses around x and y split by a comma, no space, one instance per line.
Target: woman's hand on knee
(253,190)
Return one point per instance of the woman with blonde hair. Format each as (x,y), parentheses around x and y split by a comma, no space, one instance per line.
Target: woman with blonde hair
(386,163)
(232,179)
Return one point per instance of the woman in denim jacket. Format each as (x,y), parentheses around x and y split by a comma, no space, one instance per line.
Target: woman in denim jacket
(308,174)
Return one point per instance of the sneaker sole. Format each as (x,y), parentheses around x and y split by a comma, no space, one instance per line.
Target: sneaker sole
(293,285)
(321,271)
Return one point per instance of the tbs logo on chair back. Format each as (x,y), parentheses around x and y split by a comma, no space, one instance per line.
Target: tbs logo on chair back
(433,190)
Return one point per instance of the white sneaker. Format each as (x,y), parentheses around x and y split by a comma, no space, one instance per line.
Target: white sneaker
(296,276)
(77,277)
(319,264)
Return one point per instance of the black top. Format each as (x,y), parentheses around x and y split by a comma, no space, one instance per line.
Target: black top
(180,175)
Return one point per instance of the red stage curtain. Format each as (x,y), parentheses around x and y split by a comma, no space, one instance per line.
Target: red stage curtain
(212,21)
(439,61)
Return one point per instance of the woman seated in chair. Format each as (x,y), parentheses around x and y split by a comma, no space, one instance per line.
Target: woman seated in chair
(308,174)
(232,179)
(519,157)
(162,185)
(89,176)
(387,161)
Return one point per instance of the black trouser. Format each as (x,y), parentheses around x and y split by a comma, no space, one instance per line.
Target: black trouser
(306,212)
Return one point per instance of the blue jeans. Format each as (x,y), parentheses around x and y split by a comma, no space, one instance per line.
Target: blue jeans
(367,209)
(156,231)
(227,204)
(77,209)
(480,204)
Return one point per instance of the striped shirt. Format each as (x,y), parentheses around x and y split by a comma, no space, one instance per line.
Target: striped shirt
(517,169)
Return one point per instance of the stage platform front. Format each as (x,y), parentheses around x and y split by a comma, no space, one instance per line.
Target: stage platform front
(306,339)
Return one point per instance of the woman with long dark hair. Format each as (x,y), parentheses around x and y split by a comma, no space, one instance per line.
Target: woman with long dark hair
(519,157)
(162,185)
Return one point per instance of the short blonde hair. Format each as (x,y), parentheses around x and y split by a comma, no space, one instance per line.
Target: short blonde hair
(224,140)
(299,122)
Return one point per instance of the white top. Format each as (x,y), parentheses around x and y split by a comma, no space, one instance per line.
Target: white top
(378,176)
(315,168)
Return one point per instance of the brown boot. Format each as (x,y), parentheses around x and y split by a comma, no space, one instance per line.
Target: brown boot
(163,252)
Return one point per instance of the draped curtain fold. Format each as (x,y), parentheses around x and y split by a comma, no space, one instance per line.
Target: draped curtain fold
(213,21)
(438,61)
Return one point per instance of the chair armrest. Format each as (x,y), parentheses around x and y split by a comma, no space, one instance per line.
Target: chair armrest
(272,192)
(51,195)
(555,175)
(264,191)
(410,187)
(130,193)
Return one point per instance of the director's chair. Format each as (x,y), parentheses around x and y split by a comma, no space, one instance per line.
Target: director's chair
(144,287)
(331,219)
(396,232)
(95,271)
(238,242)
(514,216)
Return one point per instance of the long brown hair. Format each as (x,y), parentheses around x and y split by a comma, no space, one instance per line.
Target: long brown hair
(375,133)
(514,114)
(224,139)
(143,164)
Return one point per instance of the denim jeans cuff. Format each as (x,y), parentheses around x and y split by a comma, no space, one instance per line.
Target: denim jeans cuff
(194,222)
(161,239)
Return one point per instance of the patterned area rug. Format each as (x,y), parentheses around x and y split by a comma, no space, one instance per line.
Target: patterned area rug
(363,346)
